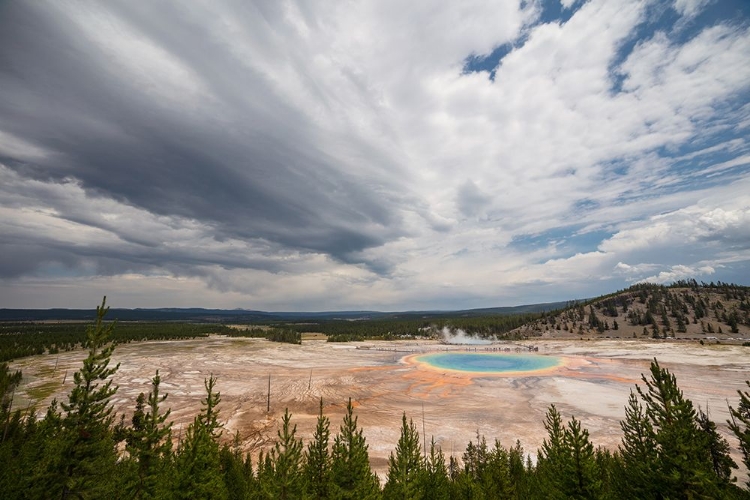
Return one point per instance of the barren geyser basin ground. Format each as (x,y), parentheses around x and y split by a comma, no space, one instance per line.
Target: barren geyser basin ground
(590,380)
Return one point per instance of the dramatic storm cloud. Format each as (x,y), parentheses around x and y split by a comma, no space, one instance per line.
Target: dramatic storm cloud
(369,154)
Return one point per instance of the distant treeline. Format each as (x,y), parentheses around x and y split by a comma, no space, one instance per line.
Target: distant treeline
(201,315)
(26,339)
(496,326)
(274,334)
(79,449)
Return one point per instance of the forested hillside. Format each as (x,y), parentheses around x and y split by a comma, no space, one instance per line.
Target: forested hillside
(81,449)
(683,310)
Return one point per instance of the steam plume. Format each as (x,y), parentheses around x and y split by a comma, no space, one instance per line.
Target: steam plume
(459,336)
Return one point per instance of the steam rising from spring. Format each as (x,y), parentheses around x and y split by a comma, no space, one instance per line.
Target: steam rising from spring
(459,336)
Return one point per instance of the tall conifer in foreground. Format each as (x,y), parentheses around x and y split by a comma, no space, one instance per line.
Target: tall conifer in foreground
(237,470)
(567,466)
(683,467)
(8,383)
(581,477)
(496,478)
(16,429)
(405,466)
(551,456)
(198,472)
(149,441)
(718,448)
(317,460)
(351,475)
(637,453)
(740,426)
(287,481)
(83,463)
(519,473)
(433,480)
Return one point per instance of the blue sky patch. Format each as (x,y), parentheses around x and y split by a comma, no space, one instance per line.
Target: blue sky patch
(488,62)
(563,242)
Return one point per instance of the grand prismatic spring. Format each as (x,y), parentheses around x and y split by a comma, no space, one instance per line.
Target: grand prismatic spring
(488,363)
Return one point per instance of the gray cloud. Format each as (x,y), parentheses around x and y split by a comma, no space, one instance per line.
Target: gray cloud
(470,200)
(242,160)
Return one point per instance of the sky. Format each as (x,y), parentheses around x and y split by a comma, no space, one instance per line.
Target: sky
(370,154)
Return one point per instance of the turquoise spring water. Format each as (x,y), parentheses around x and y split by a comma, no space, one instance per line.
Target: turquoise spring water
(488,362)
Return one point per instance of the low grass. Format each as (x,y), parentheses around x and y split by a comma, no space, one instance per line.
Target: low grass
(43,390)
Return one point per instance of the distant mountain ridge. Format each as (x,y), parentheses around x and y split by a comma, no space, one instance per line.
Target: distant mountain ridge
(228,315)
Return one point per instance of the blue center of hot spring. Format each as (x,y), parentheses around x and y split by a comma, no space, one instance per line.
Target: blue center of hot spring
(488,362)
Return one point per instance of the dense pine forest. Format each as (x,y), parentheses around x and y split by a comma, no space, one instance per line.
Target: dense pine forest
(80,449)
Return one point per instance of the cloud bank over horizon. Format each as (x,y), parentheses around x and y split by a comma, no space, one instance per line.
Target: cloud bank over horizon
(309,155)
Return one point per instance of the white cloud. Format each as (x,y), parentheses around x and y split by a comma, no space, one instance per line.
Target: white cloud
(634,270)
(679,272)
(690,8)
(711,227)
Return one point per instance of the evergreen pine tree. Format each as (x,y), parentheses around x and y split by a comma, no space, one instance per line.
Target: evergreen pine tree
(551,456)
(12,428)
(496,477)
(718,447)
(237,472)
(684,466)
(317,460)
(681,324)
(476,458)
(149,441)
(466,480)
(433,479)
(8,383)
(197,461)
(740,426)
(580,473)
(84,455)
(287,480)
(606,463)
(518,472)
(264,474)
(637,453)
(405,466)
(16,431)
(351,475)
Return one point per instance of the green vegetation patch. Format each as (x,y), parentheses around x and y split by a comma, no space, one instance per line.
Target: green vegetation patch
(42,390)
